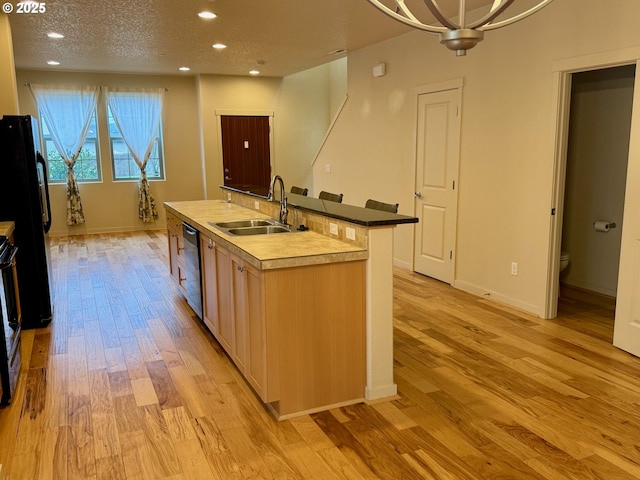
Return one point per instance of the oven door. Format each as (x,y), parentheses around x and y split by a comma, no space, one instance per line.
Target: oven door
(9,326)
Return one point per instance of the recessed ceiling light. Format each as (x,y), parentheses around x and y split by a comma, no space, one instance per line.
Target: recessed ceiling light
(254,72)
(219,46)
(207,15)
(184,69)
(53,62)
(55,35)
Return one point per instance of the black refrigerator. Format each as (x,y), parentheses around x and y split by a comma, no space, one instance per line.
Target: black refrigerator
(24,199)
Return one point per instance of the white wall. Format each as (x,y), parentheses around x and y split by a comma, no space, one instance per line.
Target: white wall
(307,103)
(596,175)
(507,139)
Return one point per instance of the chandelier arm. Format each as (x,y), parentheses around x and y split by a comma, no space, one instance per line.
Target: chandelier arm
(492,14)
(405,11)
(407,21)
(509,21)
(434,8)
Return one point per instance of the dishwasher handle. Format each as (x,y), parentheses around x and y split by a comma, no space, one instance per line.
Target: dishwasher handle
(189,233)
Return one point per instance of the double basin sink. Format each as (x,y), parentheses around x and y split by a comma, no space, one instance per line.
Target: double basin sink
(251,227)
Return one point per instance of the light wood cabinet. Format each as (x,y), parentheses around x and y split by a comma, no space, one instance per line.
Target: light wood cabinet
(209,283)
(297,334)
(226,327)
(176,252)
(249,319)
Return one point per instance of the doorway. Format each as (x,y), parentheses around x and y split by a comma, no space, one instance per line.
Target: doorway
(246,151)
(596,168)
(436,195)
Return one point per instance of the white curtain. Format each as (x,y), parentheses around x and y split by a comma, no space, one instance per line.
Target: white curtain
(137,115)
(67,111)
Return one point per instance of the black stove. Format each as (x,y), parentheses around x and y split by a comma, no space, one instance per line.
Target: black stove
(10,321)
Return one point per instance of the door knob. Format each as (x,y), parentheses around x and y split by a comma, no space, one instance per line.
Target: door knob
(417,195)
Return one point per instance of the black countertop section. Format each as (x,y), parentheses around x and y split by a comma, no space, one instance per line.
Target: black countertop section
(341,211)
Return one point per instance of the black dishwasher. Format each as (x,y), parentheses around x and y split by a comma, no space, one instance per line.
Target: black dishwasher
(193,282)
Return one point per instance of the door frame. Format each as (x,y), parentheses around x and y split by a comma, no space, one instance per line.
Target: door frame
(245,113)
(453,84)
(562,71)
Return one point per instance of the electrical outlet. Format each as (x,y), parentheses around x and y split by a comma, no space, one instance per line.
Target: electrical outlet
(350,233)
(514,268)
(333,228)
(327,168)
(256,205)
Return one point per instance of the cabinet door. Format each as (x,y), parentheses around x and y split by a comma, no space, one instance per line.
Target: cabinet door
(257,338)
(240,311)
(248,307)
(209,284)
(176,248)
(226,329)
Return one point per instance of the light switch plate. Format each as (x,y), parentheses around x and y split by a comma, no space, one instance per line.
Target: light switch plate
(333,228)
(256,205)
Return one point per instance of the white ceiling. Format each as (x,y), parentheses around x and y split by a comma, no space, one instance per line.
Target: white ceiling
(159,36)
(278,37)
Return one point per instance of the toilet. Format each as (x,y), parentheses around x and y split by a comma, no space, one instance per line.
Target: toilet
(564,260)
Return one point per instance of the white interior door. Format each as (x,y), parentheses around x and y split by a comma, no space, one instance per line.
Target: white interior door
(436,194)
(626,333)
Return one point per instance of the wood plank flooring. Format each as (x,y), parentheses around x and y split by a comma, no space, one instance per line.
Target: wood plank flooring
(126,384)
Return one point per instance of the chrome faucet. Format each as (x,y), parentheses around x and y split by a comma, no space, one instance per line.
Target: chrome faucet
(282,218)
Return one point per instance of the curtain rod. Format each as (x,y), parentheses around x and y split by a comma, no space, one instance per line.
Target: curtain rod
(27,84)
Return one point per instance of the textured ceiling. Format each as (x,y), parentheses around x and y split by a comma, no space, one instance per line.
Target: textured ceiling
(279,37)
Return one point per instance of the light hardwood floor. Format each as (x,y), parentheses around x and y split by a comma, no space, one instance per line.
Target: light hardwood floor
(126,384)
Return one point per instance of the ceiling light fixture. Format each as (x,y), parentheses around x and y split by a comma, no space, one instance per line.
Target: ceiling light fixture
(207,15)
(460,36)
(254,72)
(55,35)
(184,69)
(52,62)
(219,46)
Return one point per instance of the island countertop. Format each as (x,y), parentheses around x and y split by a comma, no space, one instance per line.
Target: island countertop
(367,217)
(264,251)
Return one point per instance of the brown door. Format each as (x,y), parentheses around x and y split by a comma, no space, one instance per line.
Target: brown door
(246,152)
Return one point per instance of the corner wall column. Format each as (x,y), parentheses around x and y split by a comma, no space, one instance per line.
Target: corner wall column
(9,97)
(379,323)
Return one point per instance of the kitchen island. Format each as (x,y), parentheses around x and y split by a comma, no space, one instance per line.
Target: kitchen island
(306,316)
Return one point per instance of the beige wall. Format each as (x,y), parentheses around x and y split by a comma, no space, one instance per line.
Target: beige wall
(230,95)
(193,162)
(302,106)
(112,206)
(9,95)
(507,137)
(307,103)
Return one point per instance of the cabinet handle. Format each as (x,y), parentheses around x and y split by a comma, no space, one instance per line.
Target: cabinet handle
(240,268)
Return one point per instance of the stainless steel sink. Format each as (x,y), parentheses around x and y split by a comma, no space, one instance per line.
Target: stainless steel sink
(262,230)
(243,223)
(251,227)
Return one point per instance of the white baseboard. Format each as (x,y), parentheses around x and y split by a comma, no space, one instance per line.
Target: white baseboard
(402,264)
(383,391)
(498,297)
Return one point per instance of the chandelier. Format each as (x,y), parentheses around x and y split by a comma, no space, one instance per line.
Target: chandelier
(460,36)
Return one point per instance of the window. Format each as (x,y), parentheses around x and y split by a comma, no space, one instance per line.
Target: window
(124,166)
(87,167)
